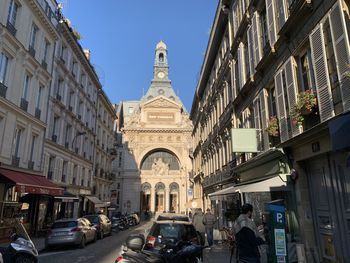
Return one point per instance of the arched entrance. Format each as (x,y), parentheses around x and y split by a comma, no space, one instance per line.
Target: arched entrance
(174,197)
(160,197)
(145,197)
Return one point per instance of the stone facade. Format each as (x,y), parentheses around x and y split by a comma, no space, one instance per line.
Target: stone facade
(156,147)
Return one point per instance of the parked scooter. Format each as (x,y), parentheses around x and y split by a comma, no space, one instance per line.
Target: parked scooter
(182,251)
(20,249)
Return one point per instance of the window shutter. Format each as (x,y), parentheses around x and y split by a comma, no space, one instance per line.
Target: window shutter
(341,50)
(251,49)
(46,163)
(281,108)
(241,65)
(59,171)
(319,61)
(271,21)
(292,89)
(233,81)
(264,118)
(256,33)
(257,124)
(281,13)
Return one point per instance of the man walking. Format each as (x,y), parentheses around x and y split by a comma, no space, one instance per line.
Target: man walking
(209,220)
(247,237)
(198,224)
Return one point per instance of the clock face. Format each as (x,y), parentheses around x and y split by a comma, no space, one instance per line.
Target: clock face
(161,75)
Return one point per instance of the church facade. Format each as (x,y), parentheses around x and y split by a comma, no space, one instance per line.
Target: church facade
(155,163)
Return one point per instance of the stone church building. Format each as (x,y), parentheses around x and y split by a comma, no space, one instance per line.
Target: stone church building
(154,164)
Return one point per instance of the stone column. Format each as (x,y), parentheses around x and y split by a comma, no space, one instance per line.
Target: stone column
(166,198)
(153,196)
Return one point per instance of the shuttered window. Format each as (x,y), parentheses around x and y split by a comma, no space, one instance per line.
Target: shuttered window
(256,36)
(271,21)
(282,13)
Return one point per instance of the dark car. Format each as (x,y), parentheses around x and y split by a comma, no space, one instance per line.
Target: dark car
(163,232)
(102,224)
(173,217)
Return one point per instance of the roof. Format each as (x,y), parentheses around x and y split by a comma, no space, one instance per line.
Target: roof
(160,45)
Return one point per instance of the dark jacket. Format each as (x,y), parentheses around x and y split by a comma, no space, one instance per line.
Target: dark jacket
(247,243)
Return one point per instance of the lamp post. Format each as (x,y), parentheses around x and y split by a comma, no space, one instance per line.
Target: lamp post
(76,136)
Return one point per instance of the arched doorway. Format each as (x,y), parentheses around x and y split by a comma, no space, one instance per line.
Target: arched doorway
(174,197)
(160,197)
(145,197)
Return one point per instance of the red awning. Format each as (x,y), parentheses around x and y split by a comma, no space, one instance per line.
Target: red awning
(31,183)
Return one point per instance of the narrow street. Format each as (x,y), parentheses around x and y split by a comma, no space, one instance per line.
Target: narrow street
(103,251)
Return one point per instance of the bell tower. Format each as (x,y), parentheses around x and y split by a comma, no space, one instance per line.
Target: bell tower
(161,68)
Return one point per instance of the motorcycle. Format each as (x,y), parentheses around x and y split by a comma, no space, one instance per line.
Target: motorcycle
(182,251)
(20,249)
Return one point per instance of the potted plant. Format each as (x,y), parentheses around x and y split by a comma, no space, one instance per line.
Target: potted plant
(272,126)
(306,104)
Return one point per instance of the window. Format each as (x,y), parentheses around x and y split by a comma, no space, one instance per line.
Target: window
(75,173)
(286,101)
(60,85)
(161,57)
(68,133)
(51,167)
(12,14)
(63,53)
(74,68)
(16,141)
(46,50)
(82,78)
(64,171)
(26,84)
(55,126)
(306,80)
(32,148)
(71,98)
(3,67)
(38,98)
(33,34)
(272,101)
(120,160)
(264,30)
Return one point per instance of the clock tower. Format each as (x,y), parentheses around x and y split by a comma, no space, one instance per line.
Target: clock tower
(161,84)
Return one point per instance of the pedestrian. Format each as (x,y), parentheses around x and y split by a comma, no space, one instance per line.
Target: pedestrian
(247,236)
(209,220)
(197,221)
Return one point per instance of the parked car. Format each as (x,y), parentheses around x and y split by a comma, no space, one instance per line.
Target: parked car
(71,231)
(102,224)
(169,231)
(174,217)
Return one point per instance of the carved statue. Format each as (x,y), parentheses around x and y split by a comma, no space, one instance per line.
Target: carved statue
(159,167)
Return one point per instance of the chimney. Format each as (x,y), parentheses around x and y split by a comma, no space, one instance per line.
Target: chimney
(87,53)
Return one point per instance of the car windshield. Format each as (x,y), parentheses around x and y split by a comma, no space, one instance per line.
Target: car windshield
(93,219)
(64,224)
(177,231)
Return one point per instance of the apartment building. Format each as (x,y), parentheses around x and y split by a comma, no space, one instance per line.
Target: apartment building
(27,44)
(105,149)
(289,94)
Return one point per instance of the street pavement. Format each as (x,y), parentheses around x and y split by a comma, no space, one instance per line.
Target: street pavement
(109,248)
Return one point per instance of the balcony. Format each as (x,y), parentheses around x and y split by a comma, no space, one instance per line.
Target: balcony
(37,113)
(31,51)
(15,161)
(44,64)
(11,28)
(31,165)
(3,90)
(54,138)
(24,104)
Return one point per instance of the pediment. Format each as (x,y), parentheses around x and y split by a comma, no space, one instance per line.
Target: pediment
(161,102)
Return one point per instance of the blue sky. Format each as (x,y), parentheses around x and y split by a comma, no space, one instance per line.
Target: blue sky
(122,35)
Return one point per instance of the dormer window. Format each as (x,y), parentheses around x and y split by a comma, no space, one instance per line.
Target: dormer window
(161,57)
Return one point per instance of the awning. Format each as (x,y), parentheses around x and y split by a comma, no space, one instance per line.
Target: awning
(276,183)
(67,197)
(97,202)
(30,183)
(339,131)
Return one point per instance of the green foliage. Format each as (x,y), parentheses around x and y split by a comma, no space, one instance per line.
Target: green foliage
(272,126)
(305,105)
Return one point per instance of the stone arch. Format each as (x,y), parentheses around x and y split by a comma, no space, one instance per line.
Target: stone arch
(146,187)
(144,154)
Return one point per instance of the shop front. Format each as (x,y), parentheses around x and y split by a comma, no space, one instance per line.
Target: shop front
(35,196)
(263,180)
(65,204)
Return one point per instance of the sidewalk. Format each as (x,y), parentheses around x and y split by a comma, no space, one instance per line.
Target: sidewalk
(218,253)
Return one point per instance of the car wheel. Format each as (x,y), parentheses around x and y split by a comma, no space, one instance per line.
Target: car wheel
(24,259)
(82,242)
